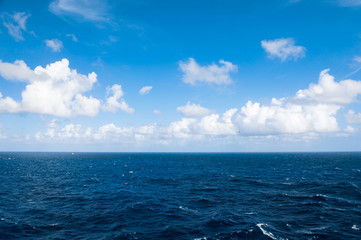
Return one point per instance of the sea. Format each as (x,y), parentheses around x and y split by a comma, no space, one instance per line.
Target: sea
(193,196)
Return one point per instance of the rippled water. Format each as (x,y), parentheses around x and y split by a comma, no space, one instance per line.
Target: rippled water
(180,196)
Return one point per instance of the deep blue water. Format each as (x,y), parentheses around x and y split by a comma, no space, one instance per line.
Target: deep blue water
(180,196)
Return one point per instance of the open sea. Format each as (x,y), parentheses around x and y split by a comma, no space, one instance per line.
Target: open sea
(191,196)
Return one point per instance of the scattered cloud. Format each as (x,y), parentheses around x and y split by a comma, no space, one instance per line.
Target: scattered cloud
(213,73)
(353,118)
(72,36)
(95,11)
(15,24)
(283,48)
(305,116)
(112,103)
(54,44)
(145,90)
(193,110)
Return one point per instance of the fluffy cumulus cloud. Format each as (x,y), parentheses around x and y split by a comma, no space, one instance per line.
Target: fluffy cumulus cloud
(57,90)
(54,44)
(310,110)
(115,101)
(15,24)
(302,117)
(193,110)
(95,10)
(257,119)
(213,73)
(145,90)
(283,48)
(330,92)
(54,90)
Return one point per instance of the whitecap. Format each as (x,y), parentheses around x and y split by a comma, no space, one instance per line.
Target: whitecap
(250,213)
(187,209)
(269,234)
(354,227)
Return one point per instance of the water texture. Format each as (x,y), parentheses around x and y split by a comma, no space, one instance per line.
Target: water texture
(180,196)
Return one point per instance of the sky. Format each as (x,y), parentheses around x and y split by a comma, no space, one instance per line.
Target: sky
(180,76)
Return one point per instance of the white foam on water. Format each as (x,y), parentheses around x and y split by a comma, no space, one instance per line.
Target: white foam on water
(187,209)
(269,234)
(250,213)
(354,227)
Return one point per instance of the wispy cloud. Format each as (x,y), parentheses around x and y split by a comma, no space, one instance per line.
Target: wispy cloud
(72,36)
(145,90)
(15,24)
(213,73)
(283,48)
(157,112)
(349,3)
(96,10)
(54,44)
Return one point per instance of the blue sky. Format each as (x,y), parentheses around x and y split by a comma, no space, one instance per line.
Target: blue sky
(153,75)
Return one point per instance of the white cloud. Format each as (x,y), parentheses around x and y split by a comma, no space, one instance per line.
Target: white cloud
(15,24)
(353,118)
(145,90)
(255,119)
(54,44)
(112,103)
(213,73)
(214,125)
(182,128)
(330,92)
(95,10)
(349,3)
(310,110)
(18,71)
(209,125)
(54,90)
(283,48)
(357,59)
(193,110)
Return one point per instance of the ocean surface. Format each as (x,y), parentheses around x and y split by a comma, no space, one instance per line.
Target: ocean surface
(180,196)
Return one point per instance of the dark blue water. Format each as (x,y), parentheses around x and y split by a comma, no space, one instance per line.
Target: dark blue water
(180,196)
